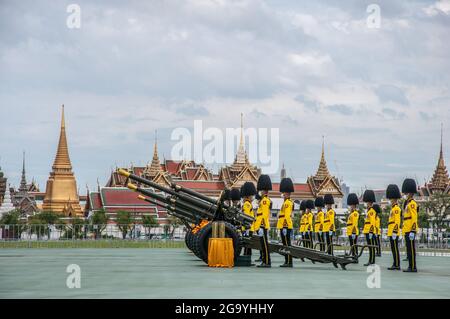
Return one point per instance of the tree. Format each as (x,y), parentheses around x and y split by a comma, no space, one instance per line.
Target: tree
(174,222)
(99,220)
(74,228)
(149,221)
(41,222)
(11,224)
(124,222)
(438,206)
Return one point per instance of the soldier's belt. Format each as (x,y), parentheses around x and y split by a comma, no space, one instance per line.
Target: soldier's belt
(390,223)
(349,224)
(406,218)
(280,216)
(259,214)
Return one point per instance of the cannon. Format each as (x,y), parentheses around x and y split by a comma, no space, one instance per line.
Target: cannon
(195,210)
(198,211)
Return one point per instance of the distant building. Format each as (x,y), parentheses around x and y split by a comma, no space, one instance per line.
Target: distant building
(23,199)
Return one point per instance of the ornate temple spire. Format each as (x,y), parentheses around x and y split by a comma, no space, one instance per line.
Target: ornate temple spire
(322,171)
(241,156)
(23,181)
(155,167)
(7,204)
(62,159)
(440,180)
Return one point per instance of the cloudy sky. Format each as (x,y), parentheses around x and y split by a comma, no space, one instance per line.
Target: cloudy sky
(309,68)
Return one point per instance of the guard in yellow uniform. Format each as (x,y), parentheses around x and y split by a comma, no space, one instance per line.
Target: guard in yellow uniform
(377,234)
(302,222)
(262,225)
(284,224)
(370,224)
(329,222)
(309,224)
(410,223)
(393,194)
(248,191)
(352,223)
(318,222)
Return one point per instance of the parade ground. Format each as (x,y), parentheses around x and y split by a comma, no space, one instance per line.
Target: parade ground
(177,273)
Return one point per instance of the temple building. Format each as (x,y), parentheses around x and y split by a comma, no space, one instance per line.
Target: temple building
(3,185)
(23,199)
(61,195)
(440,182)
(115,196)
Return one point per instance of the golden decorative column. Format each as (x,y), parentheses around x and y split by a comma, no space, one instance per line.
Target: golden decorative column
(61,194)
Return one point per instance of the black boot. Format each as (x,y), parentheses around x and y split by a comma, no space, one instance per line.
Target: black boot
(394,268)
(286,265)
(409,270)
(263,265)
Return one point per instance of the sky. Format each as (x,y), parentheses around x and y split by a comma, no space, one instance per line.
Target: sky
(309,68)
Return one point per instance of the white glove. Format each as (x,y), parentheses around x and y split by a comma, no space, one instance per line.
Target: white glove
(370,236)
(260,232)
(412,236)
(284,231)
(353,236)
(394,236)
(330,233)
(320,233)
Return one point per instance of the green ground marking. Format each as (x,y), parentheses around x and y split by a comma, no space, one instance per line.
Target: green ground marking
(177,273)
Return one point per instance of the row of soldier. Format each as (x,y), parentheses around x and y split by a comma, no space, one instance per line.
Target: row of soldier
(320,227)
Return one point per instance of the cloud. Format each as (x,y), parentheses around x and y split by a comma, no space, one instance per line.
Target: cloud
(391,93)
(340,108)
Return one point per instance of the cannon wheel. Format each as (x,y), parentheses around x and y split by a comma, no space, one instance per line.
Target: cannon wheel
(187,239)
(202,241)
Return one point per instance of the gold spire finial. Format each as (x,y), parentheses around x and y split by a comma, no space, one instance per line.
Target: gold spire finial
(440,180)
(322,171)
(62,159)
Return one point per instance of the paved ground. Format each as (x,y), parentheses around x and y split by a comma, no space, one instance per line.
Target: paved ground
(176,273)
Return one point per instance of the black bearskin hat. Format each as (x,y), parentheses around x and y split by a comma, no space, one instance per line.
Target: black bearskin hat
(264,183)
(235,194)
(319,202)
(226,195)
(303,205)
(286,185)
(352,199)
(328,199)
(310,204)
(409,186)
(393,192)
(248,189)
(377,209)
(369,196)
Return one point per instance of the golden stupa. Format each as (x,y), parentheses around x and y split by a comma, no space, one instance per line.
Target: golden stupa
(61,194)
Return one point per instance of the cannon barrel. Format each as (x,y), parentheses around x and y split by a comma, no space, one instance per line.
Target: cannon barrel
(190,200)
(208,206)
(176,212)
(170,200)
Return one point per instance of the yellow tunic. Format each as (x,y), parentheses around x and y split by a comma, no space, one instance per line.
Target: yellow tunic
(369,222)
(328,223)
(263,213)
(285,218)
(352,223)
(410,219)
(394,221)
(302,223)
(247,208)
(318,225)
(378,225)
(309,222)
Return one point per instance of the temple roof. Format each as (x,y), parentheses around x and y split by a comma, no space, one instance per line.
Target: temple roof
(322,171)
(440,179)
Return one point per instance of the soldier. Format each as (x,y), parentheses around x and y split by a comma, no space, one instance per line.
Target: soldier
(226,196)
(302,224)
(284,224)
(309,224)
(377,234)
(318,222)
(248,191)
(352,223)
(235,196)
(329,224)
(393,194)
(262,225)
(410,224)
(369,224)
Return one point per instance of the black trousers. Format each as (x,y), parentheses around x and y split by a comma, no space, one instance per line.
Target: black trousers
(395,252)
(248,251)
(371,249)
(286,240)
(329,240)
(378,243)
(411,251)
(353,243)
(265,248)
(321,241)
(308,239)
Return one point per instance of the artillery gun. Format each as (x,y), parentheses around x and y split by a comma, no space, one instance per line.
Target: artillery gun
(198,211)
